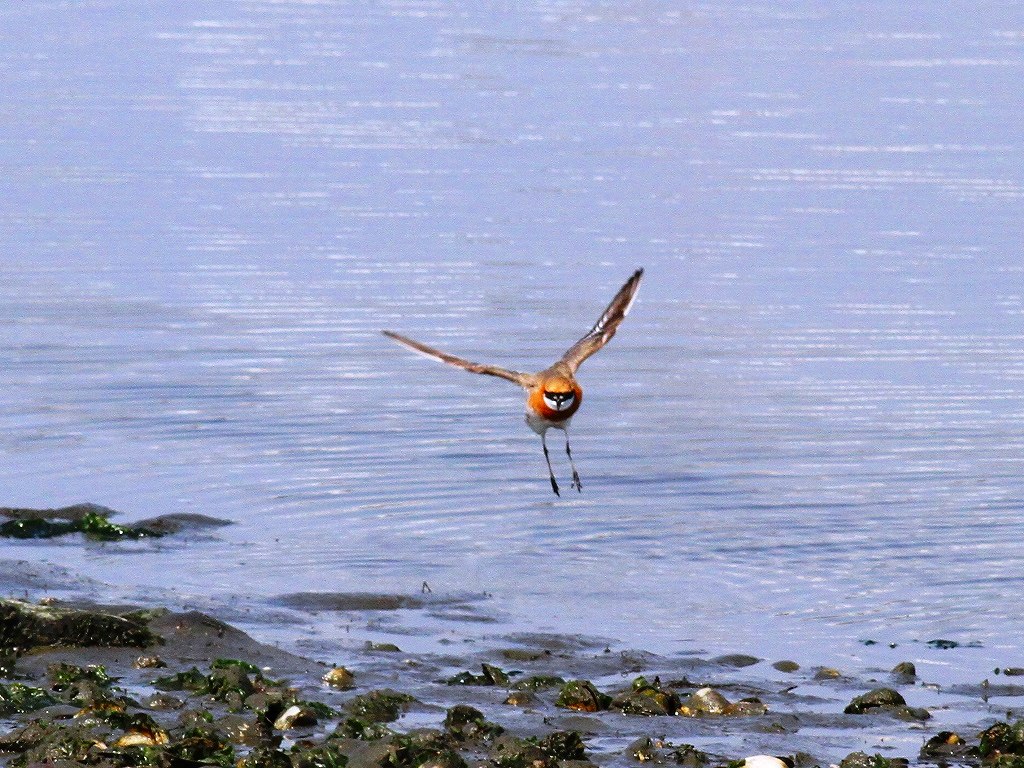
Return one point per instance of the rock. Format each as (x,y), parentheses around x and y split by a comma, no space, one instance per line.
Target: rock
(737,660)
(582,696)
(25,626)
(862,760)
(296,716)
(706,701)
(875,699)
(827,673)
(786,666)
(646,699)
(466,723)
(1002,738)
(643,750)
(905,669)
(765,761)
(689,756)
(945,745)
(340,678)
(746,708)
(521,699)
(381,706)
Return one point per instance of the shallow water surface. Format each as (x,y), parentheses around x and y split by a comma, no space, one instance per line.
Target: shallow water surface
(806,435)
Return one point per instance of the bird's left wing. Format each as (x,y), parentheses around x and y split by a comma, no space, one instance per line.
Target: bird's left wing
(522,379)
(606,325)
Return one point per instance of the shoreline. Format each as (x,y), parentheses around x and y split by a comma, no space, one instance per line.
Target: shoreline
(517,700)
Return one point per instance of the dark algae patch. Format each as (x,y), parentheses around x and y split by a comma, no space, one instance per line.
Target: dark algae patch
(113,688)
(93,522)
(26,626)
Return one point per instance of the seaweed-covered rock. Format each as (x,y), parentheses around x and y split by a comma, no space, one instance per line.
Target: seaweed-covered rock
(18,698)
(320,756)
(643,750)
(265,757)
(863,760)
(582,696)
(492,675)
(945,746)
(361,730)
(25,626)
(877,698)
(89,519)
(514,752)
(689,756)
(563,745)
(538,683)
(466,723)
(1002,738)
(382,706)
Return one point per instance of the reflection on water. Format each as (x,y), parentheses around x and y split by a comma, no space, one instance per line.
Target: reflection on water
(808,431)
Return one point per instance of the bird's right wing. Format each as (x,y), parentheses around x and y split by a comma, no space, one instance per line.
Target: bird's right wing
(522,379)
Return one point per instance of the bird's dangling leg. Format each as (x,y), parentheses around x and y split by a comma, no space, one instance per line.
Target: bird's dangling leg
(551,474)
(575,475)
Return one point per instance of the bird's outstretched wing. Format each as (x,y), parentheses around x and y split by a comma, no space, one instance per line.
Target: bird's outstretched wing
(606,325)
(522,379)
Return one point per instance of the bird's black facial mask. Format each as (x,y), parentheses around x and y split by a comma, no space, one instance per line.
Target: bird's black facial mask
(559,401)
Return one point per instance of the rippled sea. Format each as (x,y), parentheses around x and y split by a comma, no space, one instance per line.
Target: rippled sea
(807,434)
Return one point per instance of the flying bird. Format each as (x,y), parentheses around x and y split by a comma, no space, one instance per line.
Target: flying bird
(553,395)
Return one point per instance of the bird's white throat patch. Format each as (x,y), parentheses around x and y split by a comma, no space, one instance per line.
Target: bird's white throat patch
(561,404)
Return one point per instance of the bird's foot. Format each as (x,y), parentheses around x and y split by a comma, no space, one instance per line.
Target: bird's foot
(576,482)
(554,485)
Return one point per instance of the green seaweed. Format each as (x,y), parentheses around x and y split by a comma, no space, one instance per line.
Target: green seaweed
(25,626)
(17,698)
(93,525)
(381,706)
(63,676)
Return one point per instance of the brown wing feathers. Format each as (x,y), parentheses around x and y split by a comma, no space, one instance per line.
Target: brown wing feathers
(522,379)
(606,325)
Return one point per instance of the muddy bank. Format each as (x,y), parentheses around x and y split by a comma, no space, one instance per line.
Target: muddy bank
(120,686)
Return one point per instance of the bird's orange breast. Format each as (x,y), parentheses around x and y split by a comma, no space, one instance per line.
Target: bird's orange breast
(535,402)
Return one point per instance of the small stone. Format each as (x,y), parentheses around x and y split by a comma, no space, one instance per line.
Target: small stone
(296,716)
(827,673)
(786,666)
(746,708)
(738,660)
(383,647)
(706,701)
(643,750)
(340,678)
(143,737)
(521,699)
(905,669)
(877,698)
(582,696)
(149,662)
(765,761)
(164,701)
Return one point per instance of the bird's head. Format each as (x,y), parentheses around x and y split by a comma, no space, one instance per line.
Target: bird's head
(559,393)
